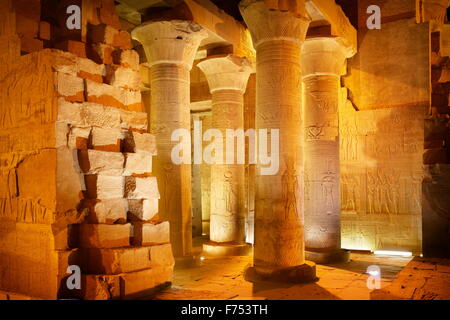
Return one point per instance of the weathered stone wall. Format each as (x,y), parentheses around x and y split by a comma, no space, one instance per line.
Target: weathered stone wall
(76,162)
(382,143)
(381,176)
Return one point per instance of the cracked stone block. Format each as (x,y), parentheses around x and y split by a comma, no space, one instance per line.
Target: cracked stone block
(70,87)
(134,120)
(104,235)
(117,260)
(127,59)
(122,77)
(144,283)
(137,164)
(108,211)
(139,142)
(106,139)
(142,209)
(104,187)
(100,287)
(146,234)
(112,96)
(141,188)
(101,162)
(78,137)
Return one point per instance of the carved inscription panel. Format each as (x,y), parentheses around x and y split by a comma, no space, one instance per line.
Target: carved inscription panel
(381,175)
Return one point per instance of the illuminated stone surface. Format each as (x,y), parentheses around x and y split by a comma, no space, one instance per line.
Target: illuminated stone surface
(227,77)
(170,48)
(279,230)
(322,60)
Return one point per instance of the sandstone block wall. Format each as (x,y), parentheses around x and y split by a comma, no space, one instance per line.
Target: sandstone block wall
(381,131)
(76,164)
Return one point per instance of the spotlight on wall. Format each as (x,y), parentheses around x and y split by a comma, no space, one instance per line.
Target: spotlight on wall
(393,253)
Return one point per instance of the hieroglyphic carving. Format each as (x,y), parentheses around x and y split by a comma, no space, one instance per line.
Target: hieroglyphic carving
(381,178)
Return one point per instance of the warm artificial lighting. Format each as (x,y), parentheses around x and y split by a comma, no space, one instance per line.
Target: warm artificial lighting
(202,258)
(393,253)
(374,273)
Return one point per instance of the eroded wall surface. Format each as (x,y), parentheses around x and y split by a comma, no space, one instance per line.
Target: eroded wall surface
(381,144)
(381,177)
(76,162)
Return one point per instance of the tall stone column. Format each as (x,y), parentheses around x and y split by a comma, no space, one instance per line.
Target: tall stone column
(170,47)
(322,60)
(278,34)
(206,180)
(227,78)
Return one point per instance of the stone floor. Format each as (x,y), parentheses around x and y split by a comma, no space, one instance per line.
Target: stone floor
(222,278)
(421,279)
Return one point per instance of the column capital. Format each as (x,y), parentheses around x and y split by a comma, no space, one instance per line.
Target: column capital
(323,56)
(227,72)
(275,20)
(174,41)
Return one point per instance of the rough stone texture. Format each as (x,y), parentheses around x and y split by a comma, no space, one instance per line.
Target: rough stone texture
(142,209)
(137,164)
(421,279)
(106,139)
(170,48)
(145,283)
(48,136)
(123,260)
(141,188)
(104,235)
(101,162)
(151,234)
(104,187)
(140,143)
(108,211)
(381,177)
(371,81)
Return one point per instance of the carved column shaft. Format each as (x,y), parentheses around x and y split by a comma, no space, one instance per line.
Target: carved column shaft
(279,208)
(228,205)
(206,181)
(279,247)
(323,59)
(170,111)
(170,47)
(227,78)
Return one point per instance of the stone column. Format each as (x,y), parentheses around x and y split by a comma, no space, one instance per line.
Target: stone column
(227,78)
(322,60)
(170,47)
(206,180)
(278,35)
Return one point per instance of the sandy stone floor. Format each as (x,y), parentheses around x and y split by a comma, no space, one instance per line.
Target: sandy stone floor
(223,279)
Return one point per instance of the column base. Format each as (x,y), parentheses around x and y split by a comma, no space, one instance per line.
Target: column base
(187,262)
(299,274)
(216,249)
(328,257)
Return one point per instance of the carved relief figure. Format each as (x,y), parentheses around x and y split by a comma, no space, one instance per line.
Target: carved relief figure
(230,194)
(314,133)
(290,190)
(327,192)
